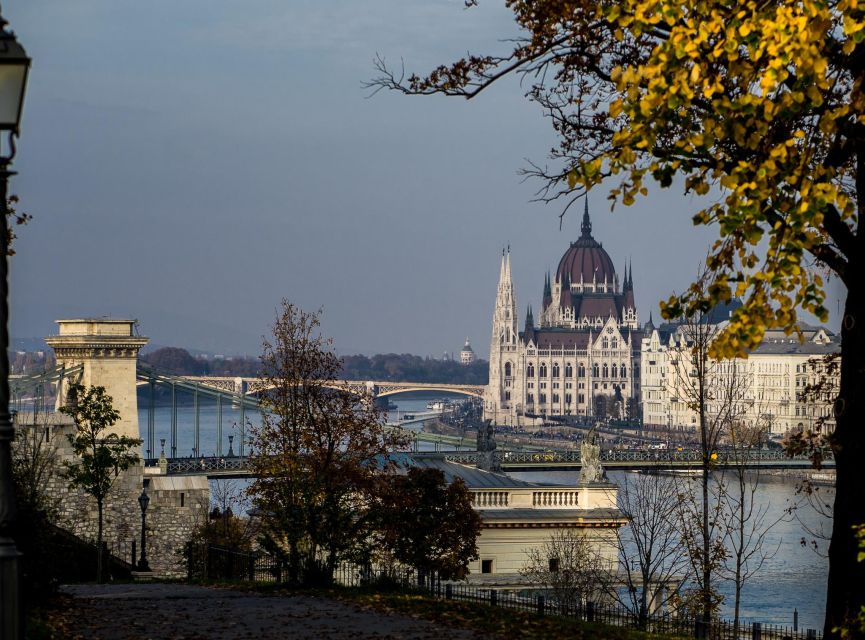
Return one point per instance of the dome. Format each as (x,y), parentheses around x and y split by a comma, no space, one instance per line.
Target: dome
(586,260)
(467,348)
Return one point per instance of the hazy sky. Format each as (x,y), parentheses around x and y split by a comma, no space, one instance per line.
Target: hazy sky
(191,163)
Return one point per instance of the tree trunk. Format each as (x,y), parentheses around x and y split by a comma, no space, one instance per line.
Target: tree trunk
(99,542)
(293,563)
(846,585)
(707,559)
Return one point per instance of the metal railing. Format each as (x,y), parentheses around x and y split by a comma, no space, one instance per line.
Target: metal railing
(218,564)
(625,458)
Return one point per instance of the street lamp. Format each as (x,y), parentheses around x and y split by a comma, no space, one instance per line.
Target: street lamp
(14,65)
(143,501)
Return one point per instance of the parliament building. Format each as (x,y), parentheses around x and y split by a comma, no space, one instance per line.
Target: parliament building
(582,357)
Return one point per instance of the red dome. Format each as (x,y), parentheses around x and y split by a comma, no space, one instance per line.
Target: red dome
(586,260)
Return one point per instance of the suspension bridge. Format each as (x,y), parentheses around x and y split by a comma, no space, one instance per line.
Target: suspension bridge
(232,405)
(216,410)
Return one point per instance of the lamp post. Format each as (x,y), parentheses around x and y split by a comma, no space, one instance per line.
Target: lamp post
(14,65)
(143,501)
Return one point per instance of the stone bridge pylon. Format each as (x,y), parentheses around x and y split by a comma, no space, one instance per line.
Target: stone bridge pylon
(107,350)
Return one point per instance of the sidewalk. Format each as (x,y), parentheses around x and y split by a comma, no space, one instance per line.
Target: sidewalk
(189,612)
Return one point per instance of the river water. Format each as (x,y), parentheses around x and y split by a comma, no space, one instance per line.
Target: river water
(794,578)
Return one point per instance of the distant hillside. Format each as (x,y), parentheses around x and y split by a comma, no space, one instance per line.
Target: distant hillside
(180,362)
(391,367)
(405,367)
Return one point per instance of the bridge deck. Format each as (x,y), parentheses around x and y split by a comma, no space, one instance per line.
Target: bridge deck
(235,466)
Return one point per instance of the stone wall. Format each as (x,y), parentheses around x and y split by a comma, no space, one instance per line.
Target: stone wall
(177,506)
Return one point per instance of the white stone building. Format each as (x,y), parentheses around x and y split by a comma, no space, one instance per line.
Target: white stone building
(518,516)
(584,357)
(773,381)
(467,354)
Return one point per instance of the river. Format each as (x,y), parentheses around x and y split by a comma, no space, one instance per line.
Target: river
(794,578)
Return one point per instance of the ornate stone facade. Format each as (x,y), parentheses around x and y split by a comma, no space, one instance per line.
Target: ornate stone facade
(583,359)
(770,388)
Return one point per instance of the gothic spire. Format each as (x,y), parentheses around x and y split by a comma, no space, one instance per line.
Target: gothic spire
(586,227)
(548,292)
(508,264)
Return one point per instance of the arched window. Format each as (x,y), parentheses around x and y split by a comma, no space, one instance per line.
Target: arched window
(613,371)
(606,371)
(556,370)
(605,344)
(614,344)
(595,370)
(530,370)
(569,370)
(624,371)
(542,373)
(507,369)
(581,372)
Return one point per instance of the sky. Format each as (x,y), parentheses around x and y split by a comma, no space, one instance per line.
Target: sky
(190,164)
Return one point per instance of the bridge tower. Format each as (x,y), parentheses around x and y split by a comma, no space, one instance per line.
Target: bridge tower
(107,349)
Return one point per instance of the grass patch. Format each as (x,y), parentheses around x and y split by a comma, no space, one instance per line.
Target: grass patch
(495,621)
(498,621)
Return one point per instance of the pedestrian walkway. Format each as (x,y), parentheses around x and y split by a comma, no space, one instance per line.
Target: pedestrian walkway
(190,612)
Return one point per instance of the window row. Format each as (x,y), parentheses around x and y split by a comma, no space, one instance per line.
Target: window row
(605,370)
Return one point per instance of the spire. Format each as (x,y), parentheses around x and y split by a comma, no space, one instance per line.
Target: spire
(548,292)
(651,325)
(502,268)
(529,330)
(508,264)
(586,227)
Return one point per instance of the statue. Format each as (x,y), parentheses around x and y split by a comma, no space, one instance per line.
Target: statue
(590,459)
(486,446)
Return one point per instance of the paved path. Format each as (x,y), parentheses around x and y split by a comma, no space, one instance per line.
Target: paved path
(189,612)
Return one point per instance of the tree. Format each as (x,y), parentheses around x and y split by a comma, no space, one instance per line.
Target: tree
(715,392)
(760,103)
(316,452)
(34,465)
(101,456)
(222,527)
(747,520)
(428,524)
(568,565)
(652,553)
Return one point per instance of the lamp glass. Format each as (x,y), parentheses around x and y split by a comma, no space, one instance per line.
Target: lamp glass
(12,80)
(143,500)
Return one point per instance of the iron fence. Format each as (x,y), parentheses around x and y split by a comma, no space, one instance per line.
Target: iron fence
(216,563)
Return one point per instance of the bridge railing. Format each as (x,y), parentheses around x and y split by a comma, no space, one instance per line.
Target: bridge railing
(239,465)
(722,458)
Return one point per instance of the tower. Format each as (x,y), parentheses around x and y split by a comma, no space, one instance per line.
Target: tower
(503,344)
(107,349)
